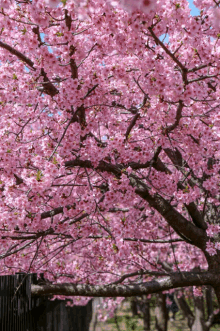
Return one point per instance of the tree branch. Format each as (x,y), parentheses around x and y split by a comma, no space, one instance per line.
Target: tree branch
(138,273)
(172,56)
(48,87)
(115,290)
(177,160)
(178,117)
(102,166)
(74,69)
(156,241)
(19,55)
(131,125)
(179,223)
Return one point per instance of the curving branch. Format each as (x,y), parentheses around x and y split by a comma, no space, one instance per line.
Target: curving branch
(185,229)
(132,124)
(177,120)
(174,280)
(179,223)
(177,160)
(102,166)
(117,168)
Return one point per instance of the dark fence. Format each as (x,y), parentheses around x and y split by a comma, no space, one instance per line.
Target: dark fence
(20,312)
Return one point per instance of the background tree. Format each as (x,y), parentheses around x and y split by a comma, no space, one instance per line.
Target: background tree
(109,152)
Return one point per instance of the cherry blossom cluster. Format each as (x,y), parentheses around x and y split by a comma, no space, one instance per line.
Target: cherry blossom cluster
(108,109)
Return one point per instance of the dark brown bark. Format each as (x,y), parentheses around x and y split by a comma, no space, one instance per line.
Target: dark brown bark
(179,223)
(134,310)
(19,55)
(177,160)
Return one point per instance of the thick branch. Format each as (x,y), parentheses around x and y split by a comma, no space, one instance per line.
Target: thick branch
(156,241)
(165,283)
(102,166)
(74,69)
(179,223)
(177,120)
(131,125)
(48,87)
(176,158)
(19,55)
(116,168)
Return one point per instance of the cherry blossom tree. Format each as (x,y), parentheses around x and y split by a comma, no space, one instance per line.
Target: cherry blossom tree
(110,145)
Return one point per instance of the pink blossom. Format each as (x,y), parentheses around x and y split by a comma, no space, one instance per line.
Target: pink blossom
(210,248)
(216,18)
(52,3)
(213,229)
(109,139)
(143,5)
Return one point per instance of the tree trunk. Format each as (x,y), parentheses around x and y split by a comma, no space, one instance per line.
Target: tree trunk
(184,307)
(146,313)
(209,304)
(199,321)
(134,310)
(217,293)
(94,319)
(161,313)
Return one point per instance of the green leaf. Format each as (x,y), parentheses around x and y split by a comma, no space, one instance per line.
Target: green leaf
(186,189)
(24,31)
(59,34)
(115,247)
(39,175)
(29,215)
(123,219)
(54,160)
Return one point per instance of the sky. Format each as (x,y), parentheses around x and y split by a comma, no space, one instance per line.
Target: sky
(194,10)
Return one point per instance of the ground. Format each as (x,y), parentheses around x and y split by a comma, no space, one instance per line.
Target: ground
(125,322)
